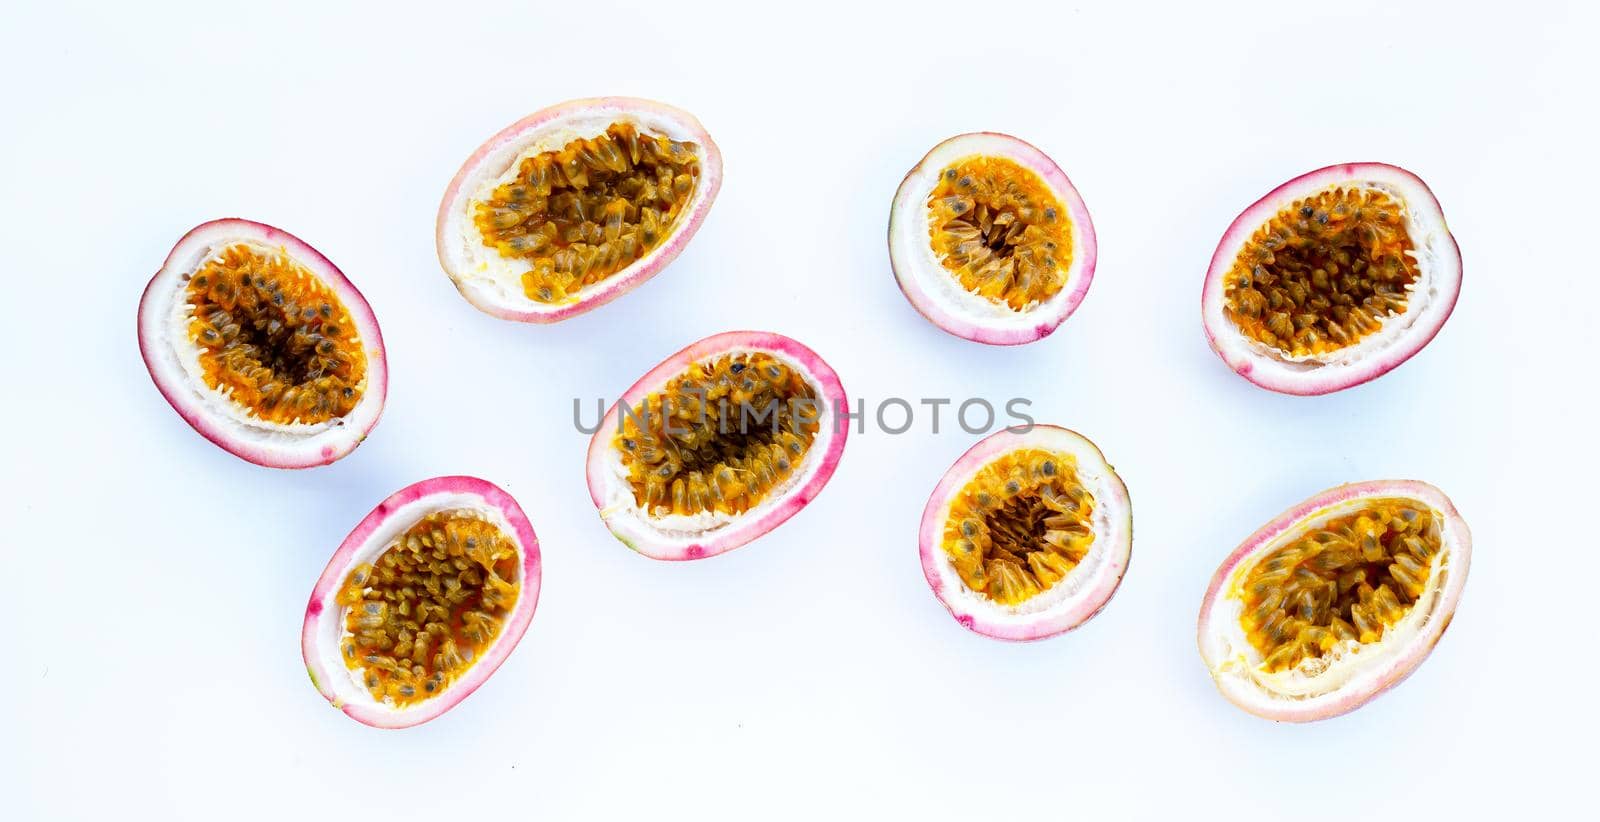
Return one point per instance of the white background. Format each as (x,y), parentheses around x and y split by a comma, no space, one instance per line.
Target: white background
(154,585)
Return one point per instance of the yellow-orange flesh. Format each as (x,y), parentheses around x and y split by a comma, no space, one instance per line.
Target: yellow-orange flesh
(424,611)
(719,436)
(1000,231)
(274,337)
(581,213)
(1323,272)
(1350,579)
(1020,525)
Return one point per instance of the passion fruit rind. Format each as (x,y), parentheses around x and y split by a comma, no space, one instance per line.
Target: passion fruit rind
(325,634)
(1376,343)
(1069,601)
(1354,672)
(493,281)
(938,294)
(668,535)
(174,357)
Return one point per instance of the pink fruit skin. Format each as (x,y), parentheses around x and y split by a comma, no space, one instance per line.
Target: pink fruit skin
(742,531)
(1085,257)
(1402,667)
(1420,196)
(325,594)
(188,407)
(628,279)
(929,540)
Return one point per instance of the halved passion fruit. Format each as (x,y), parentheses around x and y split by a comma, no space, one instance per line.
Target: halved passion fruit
(1336,600)
(262,345)
(989,240)
(717,445)
(422,602)
(1332,279)
(1028,535)
(573,206)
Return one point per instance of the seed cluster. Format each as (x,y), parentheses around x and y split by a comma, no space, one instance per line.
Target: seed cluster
(1348,580)
(1020,525)
(274,337)
(1000,231)
(1323,273)
(590,209)
(719,436)
(419,616)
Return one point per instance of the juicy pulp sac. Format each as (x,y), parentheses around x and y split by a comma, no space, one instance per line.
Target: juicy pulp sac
(274,337)
(1323,272)
(581,213)
(1020,525)
(1000,231)
(428,606)
(719,436)
(1350,578)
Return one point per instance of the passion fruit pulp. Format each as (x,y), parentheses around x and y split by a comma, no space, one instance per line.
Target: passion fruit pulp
(1332,279)
(1336,600)
(990,241)
(263,346)
(717,445)
(422,602)
(1028,535)
(573,206)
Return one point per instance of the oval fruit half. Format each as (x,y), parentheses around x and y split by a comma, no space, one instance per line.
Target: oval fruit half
(1331,279)
(1028,535)
(422,602)
(1336,600)
(717,445)
(990,241)
(262,345)
(575,205)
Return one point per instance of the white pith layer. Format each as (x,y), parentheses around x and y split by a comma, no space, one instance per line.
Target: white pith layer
(330,627)
(1099,566)
(912,241)
(1437,265)
(1238,665)
(481,268)
(626,516)
(174,358)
